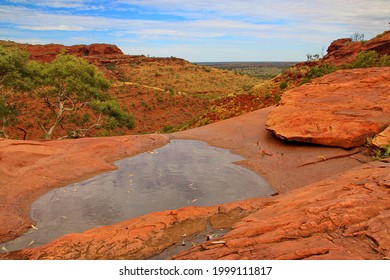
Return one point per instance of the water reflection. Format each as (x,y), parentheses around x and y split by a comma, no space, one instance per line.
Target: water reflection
(181,173)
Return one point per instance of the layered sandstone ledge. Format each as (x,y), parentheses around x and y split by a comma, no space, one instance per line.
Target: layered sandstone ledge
(342,109)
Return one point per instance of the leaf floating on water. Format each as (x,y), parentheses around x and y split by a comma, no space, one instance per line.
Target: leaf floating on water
(34,227)
(193,243)
(32,242)
(131,175)
(65,217)
(190,185)
(194,200)
(4,249)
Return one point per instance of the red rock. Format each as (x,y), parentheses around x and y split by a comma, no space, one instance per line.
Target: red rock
(343,218)
(341,109)
(343,51)
(382,139)
(48,52)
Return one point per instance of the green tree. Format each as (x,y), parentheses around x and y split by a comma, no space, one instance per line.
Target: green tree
(67,84)
(15,78)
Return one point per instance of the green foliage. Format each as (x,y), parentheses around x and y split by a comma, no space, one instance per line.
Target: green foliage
(69,77)
(115,116)
(277,98)
(371,58)
(382,153)
(14,70)
(169,129)
(283,85)
(69,82)
(15,77)
(304,81)
(319,71)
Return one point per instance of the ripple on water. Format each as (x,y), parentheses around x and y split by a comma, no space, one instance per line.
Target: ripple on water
(182,173)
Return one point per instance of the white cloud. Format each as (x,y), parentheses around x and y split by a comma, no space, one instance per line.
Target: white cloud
(206,22)
(60,27)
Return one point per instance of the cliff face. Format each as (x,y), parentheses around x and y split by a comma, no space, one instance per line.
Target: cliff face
(47,53)
(343,51)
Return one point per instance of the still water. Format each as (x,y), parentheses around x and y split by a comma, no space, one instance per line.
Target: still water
(182,173)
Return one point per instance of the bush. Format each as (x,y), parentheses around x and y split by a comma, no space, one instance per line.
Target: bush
(382,153)
(367,59)
(357,37)
(319,71)
(283,85)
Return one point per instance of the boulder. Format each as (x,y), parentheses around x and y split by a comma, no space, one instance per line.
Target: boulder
(341,109)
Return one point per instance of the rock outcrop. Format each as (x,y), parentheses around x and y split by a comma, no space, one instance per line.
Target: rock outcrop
(47,53)
(344,51)
(344,218)
(341,109)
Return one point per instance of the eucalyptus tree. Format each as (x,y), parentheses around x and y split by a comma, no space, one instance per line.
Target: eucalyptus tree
(67,84)
(15,78)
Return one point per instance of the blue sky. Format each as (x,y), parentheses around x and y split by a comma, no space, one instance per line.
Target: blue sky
(198,30)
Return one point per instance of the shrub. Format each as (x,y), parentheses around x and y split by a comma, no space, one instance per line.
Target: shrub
(283,85)
(357,37)
(382,153)
(371,58)
(277,98)
(304,81)
(319,71)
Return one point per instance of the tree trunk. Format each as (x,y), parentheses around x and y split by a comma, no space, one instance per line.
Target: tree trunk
(2,131)
(61,110)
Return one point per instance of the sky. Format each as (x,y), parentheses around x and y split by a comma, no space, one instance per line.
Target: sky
(196,30)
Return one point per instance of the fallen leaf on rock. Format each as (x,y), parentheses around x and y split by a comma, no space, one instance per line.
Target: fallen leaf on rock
(218,242)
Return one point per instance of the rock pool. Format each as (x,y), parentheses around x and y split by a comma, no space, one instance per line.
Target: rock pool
(182,173)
